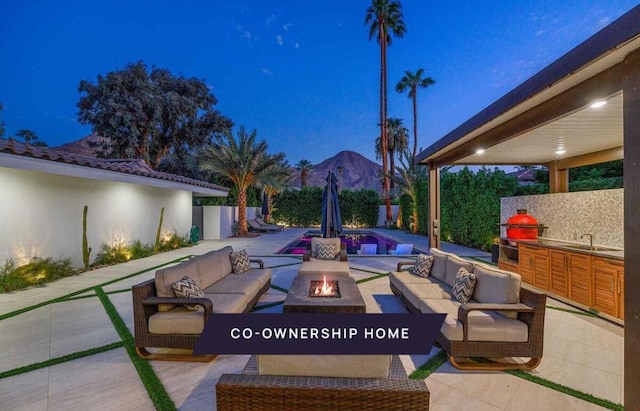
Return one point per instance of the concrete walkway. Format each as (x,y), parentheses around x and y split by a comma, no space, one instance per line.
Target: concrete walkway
(581,352)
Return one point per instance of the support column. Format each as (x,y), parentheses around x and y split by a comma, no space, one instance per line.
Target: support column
(434,206)
(631,118)
(558,178)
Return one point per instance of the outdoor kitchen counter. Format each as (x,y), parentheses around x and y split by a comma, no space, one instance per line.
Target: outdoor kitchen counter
(610,252)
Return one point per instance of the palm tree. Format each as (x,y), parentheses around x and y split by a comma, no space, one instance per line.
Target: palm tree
(407,176)
(397,139)
(275,180)
(242,163)
(412,82)
(386,19)
(304,166)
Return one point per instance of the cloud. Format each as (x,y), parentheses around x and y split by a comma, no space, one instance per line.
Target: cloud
(297,45)
(266,71)
(603,22)
(287,26)
(210,87)
(279,40)
(270,19)
(243,32)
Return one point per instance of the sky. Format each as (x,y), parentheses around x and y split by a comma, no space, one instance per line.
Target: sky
(304,75)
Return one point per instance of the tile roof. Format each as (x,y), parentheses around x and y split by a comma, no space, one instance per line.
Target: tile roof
(126,166)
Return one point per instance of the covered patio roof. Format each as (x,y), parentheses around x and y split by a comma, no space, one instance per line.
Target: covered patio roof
(549,120)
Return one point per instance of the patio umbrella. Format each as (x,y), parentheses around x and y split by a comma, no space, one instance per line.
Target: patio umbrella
(331,219)
(265,207)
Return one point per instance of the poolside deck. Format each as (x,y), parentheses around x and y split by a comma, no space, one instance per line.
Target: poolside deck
(582,352)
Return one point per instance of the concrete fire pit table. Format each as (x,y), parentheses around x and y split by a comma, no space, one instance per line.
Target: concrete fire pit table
(299,299)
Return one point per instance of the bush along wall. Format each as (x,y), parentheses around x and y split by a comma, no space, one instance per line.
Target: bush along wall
(406,211)
(471,205)
(422,204)
(304,208)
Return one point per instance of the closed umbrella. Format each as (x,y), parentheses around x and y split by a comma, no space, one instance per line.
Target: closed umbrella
(331,219)
(265,207)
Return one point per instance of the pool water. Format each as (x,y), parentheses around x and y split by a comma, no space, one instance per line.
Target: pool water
(353,240)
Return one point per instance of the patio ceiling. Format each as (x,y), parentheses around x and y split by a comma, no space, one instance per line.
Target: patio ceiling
(552,110)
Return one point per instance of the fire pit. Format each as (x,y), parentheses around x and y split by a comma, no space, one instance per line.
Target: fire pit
(324,289)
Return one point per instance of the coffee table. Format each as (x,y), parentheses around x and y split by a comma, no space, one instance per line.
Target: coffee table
(298,300)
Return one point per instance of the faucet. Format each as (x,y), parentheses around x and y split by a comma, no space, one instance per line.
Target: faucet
(590,240)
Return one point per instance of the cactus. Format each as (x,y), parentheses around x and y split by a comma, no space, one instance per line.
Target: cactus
(86,250)
(156,247)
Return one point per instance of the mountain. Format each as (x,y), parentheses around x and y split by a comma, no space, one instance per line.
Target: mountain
(357,172)
(80,147)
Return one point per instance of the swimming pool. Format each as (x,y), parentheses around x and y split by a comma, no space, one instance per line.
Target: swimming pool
(352,239)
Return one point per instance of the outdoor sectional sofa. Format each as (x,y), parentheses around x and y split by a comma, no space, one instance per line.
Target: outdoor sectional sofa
(162,321)
(502,319)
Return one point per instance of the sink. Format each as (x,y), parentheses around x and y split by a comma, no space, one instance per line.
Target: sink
(587,247)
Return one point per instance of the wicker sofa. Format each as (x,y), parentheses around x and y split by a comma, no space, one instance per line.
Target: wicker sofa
(161,320)
(312,265)
(501,320)
(258,389)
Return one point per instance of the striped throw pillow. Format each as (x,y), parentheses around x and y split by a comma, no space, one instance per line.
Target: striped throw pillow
(326,251)
(240,262)
(464,285)
(187,288)
(422,268)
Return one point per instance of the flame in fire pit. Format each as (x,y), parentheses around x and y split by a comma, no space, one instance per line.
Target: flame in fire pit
(324,288)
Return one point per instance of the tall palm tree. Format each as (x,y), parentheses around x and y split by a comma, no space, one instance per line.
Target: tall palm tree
(385,18)
(397,140)
(304,166)
(275,180)
(412,82)
(242,163)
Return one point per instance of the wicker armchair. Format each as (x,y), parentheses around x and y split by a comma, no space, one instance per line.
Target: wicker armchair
(252,391)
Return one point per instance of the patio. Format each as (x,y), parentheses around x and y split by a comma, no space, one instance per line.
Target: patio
(69,320)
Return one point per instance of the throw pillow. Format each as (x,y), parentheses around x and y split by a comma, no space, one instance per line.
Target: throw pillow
(326,251)
(240,262)
(464,285)
(187,288)
(422,268)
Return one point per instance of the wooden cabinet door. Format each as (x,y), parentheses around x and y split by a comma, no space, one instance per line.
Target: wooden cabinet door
(580,278)
(541,269)
(605,294)
(525,263)
(621,293)
(559,272)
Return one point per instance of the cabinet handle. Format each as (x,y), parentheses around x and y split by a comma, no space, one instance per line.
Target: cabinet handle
(612,284)
(619,286)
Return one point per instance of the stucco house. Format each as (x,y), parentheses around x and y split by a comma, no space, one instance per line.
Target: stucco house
(44,191)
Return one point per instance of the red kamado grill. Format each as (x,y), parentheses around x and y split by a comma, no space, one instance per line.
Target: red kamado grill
(523,226)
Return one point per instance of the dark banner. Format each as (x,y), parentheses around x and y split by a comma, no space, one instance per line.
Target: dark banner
(319,334)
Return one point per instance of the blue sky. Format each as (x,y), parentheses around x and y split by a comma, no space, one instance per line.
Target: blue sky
(303,74)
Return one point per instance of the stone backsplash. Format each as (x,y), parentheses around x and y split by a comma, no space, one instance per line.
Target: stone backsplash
(569,215)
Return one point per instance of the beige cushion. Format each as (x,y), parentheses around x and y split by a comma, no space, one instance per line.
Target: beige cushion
(454,263)
(229,303)
(401,278)
(416,292)
(439,266)
(262,276)
(497,286)
(353,366)
(317,267)
(165,277)
(483,325)
(177,321)
(235,284)
(214,265)
(319,240)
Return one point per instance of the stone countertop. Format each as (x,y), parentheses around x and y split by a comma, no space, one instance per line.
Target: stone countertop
(610,252)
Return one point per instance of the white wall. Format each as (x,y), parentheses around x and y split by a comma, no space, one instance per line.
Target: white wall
(41,214)
(217,222)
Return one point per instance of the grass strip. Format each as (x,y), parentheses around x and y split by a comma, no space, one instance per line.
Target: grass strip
(567,390)
(283,290)
(158,394)
(265,306)
(375,277)
(430,366)
(75,293)
(60,360)
(566,310)
(81,297)
(364,270)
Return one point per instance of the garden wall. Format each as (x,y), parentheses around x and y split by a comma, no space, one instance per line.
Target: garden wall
(42,214)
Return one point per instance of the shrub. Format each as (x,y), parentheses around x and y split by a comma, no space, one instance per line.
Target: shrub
(174,241)
(112,254)
(37,272)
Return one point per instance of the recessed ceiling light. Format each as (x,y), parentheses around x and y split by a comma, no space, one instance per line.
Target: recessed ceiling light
(561,151)
(598,104)
(480,151)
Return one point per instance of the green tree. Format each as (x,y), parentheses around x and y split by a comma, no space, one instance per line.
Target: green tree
(397,140)
(242,162)
(304,166)
(412,82)
(149,114)
(407,176)
(273,181)
(384,19)
(30,137)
